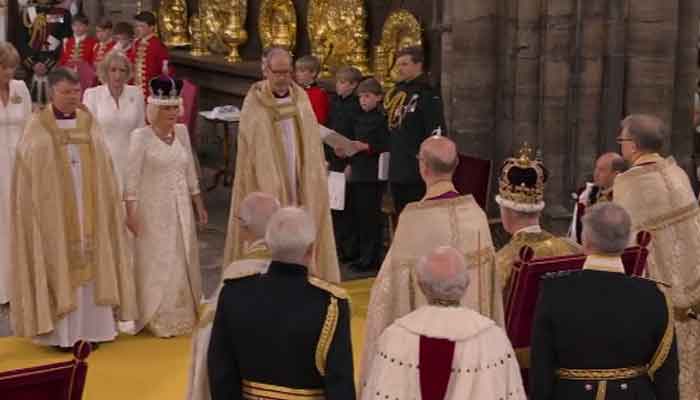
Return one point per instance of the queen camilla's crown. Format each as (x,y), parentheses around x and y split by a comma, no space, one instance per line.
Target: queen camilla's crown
(165,91)
(521,182)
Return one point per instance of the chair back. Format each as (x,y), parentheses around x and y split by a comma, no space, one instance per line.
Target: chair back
(189,95)
(87,75)
(523,288)
(473,176)
(59,381)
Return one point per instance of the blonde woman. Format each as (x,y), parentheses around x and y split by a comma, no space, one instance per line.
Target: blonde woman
(161,187)
(119,108)
(15,109)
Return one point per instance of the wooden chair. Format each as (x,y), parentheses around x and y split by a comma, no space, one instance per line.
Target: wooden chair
(59,381)
(522,290)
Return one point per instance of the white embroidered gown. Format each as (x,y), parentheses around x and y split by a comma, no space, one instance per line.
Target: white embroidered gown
(117,121)
(162,179)
(13,116)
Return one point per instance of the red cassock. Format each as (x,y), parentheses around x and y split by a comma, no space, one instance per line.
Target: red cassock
(100,50)
(72,55)
(319,102)
(147,55)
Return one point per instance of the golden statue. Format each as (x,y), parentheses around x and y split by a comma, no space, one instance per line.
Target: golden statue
(234,33)
(337,33)
(400,30)
(278,24)
(172,21)
(199,37)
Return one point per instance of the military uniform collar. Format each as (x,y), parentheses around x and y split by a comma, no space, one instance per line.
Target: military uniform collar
(605,263)
(438,189)
(280,268)
(645,159)
(529,229)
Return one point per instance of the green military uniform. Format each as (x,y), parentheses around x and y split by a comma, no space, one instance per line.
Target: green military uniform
(281,335)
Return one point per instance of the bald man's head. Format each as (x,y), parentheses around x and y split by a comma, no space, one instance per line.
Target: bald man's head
(606,169)
(255,212)
(442,274)
(439,158)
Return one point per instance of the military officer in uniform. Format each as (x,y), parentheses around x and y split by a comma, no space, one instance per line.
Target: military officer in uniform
(414,111)
(39,43)
(521,200)
(598,333)
(282,335)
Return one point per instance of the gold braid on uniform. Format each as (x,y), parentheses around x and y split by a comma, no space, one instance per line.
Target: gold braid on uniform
(664,348)
(327,333)
(393,102)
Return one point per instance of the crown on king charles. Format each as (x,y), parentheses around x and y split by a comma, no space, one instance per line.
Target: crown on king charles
(521,182)
(165,91)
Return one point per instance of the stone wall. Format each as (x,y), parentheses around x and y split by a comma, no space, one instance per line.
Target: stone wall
(561,74)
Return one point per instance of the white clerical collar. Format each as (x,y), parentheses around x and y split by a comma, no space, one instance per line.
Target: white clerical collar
(599,262)
(529,229)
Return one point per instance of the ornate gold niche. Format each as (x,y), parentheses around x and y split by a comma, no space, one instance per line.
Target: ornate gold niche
(172,20)
(220,20)
(278,24)
(337,32)
(401,29)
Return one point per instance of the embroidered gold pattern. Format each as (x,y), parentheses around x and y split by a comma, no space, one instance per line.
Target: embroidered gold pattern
(327,333)
(264,391)
(661,353)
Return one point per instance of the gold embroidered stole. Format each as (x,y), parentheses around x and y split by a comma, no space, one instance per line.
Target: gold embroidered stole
(278,113)
(81,248)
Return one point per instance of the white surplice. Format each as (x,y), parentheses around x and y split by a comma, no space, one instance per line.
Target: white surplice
(117,121)
(13,116)
(484,364)
(290,150)
(90,322)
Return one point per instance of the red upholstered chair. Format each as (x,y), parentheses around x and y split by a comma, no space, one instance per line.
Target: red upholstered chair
(87,75)
(523,289)
(189,102)
(473,176)
(60,381)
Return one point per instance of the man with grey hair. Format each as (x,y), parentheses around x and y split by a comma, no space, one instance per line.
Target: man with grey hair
(459,351)
(284,334)
(572,357)
(280,153)
(657,194)
(254,213)
(72,270)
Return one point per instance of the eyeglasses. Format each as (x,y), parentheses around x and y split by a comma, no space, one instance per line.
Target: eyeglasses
(279,72)
(621,139)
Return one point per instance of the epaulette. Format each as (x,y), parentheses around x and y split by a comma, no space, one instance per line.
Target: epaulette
(561,274)
(335,290)
(658,282)
(245,274)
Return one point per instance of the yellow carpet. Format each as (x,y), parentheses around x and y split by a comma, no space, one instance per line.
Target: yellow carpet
(147,368)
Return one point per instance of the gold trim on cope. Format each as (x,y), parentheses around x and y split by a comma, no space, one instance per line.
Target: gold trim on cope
(326,338)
